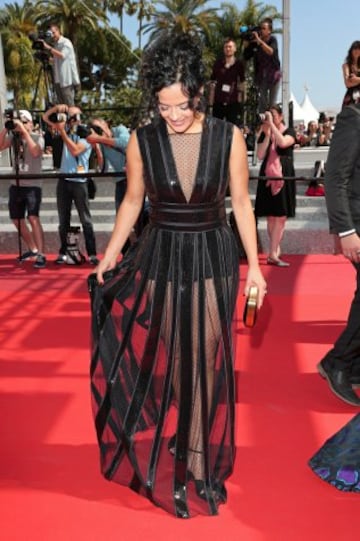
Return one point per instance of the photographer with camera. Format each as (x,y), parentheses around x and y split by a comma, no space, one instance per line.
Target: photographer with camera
(25,194)
(275,196)
(112,143)
(75,159)
(110,146)
(263,47)
(65,71)
(228,76)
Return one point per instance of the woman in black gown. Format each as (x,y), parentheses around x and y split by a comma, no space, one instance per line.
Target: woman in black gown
(162,370)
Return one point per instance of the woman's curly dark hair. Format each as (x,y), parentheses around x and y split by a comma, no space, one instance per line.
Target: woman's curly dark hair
(349,59)
(171,58)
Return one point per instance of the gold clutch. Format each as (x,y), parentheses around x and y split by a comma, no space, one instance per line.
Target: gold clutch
(250,309)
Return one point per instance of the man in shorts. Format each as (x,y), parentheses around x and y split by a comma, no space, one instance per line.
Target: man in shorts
(25,194)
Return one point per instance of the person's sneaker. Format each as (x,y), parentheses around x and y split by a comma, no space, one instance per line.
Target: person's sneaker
(27,255)
(40,262)
(61,258)
(93,260)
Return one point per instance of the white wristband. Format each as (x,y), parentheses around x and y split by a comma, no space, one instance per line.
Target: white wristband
(347,233)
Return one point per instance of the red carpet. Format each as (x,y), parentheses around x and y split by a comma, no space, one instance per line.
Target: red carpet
(51,489)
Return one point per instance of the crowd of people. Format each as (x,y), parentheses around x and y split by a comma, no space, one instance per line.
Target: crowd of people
(162,364)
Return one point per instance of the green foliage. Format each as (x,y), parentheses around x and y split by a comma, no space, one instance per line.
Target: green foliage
(107,64)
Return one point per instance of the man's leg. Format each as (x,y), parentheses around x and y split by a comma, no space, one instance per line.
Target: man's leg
(64,203)
(338,363)
(81,201)
(17,207)
(347,347)
(233,113)
(219,110)
(68,95)
(273,93)
(120,190)
(58,93)
(263,96)
(33,209)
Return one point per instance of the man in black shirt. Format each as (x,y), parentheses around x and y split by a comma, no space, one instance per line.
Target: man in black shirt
(228,76)
(264,48)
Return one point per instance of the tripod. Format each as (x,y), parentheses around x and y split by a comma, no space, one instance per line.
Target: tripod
(45,75)
(15,158)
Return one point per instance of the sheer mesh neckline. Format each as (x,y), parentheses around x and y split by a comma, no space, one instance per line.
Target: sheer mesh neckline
(186,156)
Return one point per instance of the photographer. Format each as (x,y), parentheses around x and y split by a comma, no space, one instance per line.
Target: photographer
(263,47)
(75,159)
(112,143)
(65,71)
(228,76)
(25,194)
(275,196)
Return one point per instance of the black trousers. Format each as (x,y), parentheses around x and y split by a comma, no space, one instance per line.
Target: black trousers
(68,192)
(228,111)
(346,350)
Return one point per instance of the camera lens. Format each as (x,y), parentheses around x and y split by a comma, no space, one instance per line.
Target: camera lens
(260,117)
(9,125)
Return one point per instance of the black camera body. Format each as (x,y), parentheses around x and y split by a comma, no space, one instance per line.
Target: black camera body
(56,118)
(247,32)
(38,38)
(10,115)
(84,130)
(40,52)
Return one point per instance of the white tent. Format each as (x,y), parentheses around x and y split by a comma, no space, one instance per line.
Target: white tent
(298,114)
(308,110)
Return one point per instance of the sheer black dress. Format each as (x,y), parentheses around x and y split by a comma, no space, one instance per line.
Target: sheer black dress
(162,377)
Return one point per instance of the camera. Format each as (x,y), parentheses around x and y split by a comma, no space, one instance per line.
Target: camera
(10,115)
(260,118)
(58,117)
(40,52)
(246,32)
(84,130)
(38,38)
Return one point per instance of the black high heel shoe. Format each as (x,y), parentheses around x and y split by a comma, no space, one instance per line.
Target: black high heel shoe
(219,491)
(172,445)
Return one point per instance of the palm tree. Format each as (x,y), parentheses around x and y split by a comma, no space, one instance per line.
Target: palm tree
(182,16)
(17,22)
(118,7)
(144,10)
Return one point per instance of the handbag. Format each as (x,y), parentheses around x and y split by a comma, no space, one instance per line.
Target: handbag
(91,187)
(250,308)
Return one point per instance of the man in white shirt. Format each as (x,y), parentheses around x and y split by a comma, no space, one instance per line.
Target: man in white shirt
(65,70)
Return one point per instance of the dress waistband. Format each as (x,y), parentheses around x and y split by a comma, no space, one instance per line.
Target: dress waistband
(187,217)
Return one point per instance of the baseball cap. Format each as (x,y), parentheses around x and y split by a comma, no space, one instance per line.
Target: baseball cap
(25,115)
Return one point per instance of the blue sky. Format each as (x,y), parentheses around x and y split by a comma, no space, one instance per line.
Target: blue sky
(321,32)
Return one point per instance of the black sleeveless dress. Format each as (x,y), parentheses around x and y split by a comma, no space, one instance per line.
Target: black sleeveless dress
(162,374)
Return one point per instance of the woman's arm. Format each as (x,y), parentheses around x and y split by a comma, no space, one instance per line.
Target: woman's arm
(263,141)
(129,209)
(243,212)
(350,79)
(282,141)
